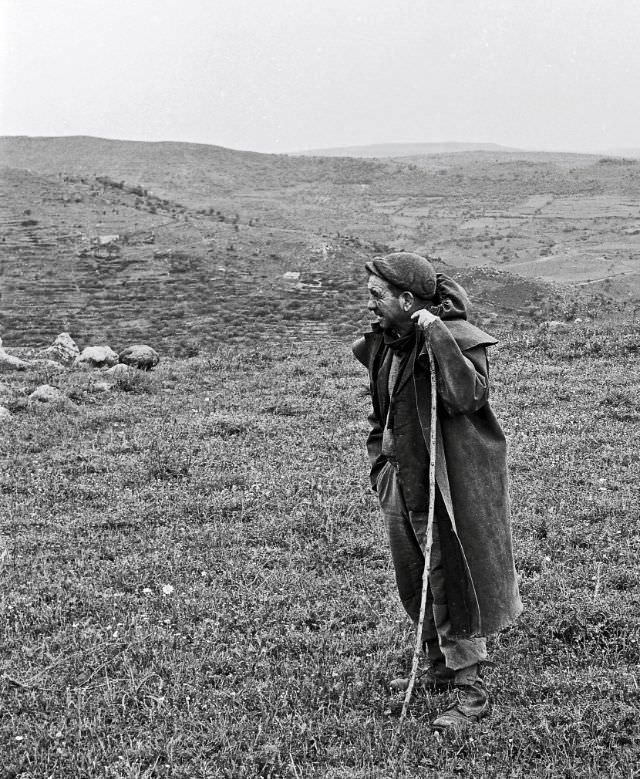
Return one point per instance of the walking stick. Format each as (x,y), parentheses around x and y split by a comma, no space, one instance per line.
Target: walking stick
(429,538)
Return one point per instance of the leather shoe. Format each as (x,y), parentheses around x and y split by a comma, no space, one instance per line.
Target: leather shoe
(470,704)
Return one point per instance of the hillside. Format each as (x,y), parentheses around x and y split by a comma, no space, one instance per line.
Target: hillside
(187,242)
(107,263)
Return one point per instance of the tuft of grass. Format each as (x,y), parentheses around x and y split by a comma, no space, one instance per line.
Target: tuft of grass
(136,382)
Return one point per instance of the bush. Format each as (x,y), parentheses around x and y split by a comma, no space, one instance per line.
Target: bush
(136,382)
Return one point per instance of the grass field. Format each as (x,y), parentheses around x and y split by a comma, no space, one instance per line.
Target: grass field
(196,581)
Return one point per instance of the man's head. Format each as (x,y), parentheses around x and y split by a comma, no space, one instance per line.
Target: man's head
(399,284)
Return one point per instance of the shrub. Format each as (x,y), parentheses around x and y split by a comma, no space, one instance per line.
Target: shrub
(136,382)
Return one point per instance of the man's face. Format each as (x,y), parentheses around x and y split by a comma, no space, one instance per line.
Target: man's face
(386,305)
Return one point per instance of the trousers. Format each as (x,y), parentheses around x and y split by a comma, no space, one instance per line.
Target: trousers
(406,531)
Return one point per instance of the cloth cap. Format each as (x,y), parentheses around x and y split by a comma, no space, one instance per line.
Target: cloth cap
(408,271)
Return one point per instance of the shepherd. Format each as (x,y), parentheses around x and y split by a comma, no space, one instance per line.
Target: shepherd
(472,586)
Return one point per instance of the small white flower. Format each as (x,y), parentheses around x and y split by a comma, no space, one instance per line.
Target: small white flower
(167,589)
(147,591)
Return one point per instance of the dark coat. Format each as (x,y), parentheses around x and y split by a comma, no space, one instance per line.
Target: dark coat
(471,471)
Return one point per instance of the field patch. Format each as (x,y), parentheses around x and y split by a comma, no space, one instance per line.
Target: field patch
(196,579)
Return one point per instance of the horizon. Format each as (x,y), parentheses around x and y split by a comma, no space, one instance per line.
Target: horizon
(281,77)
(500,148)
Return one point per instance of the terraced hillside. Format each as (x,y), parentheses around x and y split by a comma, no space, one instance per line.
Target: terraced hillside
(183,242)
(110,262)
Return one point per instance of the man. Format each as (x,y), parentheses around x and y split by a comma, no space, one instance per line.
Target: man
(472,581)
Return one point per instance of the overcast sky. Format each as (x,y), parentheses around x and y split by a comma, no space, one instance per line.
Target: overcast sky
(284,75)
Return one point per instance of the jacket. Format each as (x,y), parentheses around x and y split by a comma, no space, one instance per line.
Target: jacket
(471,469)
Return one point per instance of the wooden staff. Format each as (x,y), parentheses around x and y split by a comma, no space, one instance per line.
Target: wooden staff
(429,538)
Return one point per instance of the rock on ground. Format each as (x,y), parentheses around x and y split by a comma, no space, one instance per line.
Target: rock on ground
(10,363)
(4,413)
(45,393)
(119,370)
(97,357)
(139,356)
(100,386)
(63,349)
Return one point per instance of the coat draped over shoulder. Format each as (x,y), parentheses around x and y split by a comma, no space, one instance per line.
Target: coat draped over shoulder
(471,469)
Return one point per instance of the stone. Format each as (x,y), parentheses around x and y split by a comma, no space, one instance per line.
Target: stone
(100,386)
(45,393)
(4,413)
(63,350)
(97,357)
(140,356)
(10,363)
(119,370)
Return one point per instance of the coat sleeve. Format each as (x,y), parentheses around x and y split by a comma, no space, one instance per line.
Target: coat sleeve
(374,439)
(463,377)
(374,447)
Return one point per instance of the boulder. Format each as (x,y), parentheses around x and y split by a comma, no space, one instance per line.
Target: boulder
(99,386)
(119,370)
(139,356)
(45,393)
(97,357)
(63,350)
(4,414)
(10,363)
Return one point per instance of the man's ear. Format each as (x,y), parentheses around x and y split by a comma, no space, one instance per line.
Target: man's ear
(407,300)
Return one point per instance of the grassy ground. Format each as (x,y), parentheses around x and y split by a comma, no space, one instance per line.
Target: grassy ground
(195,580)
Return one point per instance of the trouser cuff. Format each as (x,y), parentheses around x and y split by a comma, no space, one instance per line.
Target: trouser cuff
(468,675)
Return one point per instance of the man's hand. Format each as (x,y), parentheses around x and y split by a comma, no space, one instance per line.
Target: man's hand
(423,318)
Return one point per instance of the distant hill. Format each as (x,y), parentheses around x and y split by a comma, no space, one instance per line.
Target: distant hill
(118,239)
(633,153)
(382,150)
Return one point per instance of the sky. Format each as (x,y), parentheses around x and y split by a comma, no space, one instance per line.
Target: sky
(287,75)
